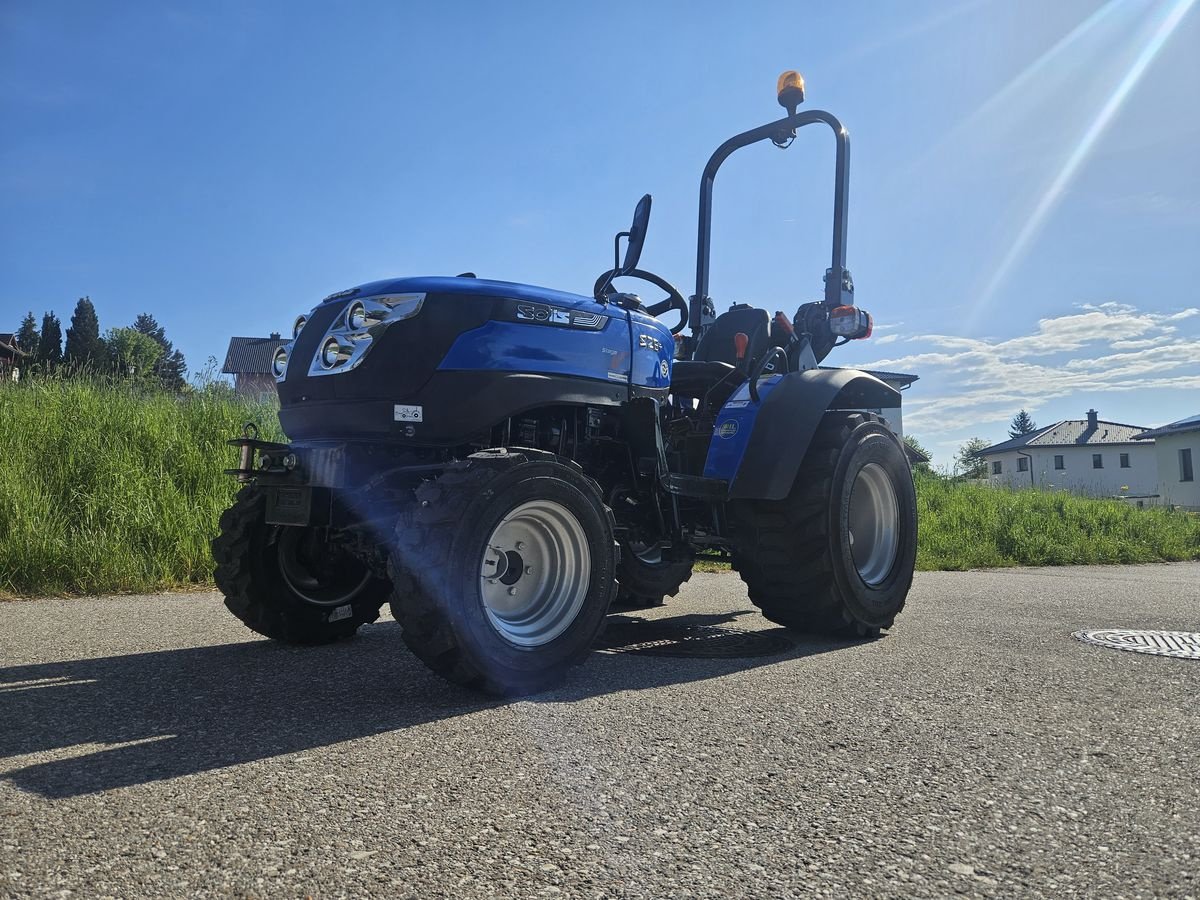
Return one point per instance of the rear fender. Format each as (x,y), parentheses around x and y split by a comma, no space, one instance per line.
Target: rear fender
(775,433)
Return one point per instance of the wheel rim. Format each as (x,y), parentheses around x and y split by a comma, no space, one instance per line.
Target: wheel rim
(535,573)
(650,554)
(874,523)
(316,572)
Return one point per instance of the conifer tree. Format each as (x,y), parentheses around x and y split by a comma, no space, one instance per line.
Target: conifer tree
(1022,423)
(84,346)
(27,334)
(49,349)
(170,369)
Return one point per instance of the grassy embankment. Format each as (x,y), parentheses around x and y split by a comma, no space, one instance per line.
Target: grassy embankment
(108,488)
(105,487)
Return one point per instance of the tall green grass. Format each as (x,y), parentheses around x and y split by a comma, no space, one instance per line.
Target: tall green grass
(105,486)
(969,526)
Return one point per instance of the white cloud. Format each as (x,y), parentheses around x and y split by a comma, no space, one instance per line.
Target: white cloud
(1109,347)
(887,339)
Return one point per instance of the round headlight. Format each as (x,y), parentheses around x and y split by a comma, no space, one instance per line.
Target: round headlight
(357,316)
(301,321)
(279,363)
(331,353)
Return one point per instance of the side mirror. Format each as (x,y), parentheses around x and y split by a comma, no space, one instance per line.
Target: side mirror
(637,237)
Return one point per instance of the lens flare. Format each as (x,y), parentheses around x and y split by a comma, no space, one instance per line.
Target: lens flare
(1175,13)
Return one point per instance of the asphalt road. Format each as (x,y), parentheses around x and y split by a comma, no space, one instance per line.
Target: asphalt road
(152,746)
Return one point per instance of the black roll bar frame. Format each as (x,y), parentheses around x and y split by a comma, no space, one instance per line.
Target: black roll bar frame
(839,289)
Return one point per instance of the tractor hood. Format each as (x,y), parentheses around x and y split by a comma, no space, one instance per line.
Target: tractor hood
(477,287)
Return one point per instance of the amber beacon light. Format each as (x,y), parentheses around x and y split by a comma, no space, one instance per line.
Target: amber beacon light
(790,90)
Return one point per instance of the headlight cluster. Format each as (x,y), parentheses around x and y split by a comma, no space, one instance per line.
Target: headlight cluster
(352,333)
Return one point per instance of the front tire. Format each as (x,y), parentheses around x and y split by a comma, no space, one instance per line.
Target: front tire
(837,555)
(290,583)
(646,576)
(504,571)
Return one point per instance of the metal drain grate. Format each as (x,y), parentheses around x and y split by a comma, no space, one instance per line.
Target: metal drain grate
(682,640)
(1179,644)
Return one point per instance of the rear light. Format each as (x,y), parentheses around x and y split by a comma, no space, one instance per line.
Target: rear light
(850,322)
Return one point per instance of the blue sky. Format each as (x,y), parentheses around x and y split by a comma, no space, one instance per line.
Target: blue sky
(1025,196)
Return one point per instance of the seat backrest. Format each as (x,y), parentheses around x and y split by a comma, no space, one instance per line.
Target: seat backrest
(717,344)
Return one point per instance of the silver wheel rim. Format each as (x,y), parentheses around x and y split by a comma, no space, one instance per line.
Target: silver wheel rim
(535,573)
(306,584)
(874,523)
(650,554)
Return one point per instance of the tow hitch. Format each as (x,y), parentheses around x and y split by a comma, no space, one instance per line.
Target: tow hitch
(272,458)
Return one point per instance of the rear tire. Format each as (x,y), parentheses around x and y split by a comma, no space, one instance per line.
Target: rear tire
(504,571)
(286,582)
(802,561)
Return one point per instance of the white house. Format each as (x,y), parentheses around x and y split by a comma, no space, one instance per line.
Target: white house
(1084,456)
(1177,447)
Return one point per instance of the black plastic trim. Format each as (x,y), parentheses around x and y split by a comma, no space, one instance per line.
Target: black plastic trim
(456,407)
(789,417)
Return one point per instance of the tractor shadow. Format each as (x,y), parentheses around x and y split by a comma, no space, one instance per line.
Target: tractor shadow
(181,712)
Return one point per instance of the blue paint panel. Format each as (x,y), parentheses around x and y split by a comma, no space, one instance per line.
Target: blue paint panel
(731,434)
(607,355)
(650,354)
(544,349)
(479,287)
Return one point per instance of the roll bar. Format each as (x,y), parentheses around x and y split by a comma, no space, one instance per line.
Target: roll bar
(839,289)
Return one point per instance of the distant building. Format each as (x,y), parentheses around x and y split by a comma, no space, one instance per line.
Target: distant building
(248,360)
(11,356)
(1177,447)
(1085,456)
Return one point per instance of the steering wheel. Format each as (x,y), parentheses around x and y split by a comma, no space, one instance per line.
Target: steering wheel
(674,300)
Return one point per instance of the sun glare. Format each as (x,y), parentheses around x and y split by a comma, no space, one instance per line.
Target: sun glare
(1169,15)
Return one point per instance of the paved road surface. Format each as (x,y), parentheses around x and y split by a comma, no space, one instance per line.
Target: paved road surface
(151,746)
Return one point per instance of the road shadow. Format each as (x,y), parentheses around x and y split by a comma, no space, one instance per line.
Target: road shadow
(204,708)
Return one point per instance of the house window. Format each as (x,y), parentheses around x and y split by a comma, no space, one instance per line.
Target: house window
(1058,461)
(1022,463)
(1124,460)
(997,467)
(1097,461)
(1185,464)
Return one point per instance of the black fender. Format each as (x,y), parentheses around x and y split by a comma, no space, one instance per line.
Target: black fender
(788,419)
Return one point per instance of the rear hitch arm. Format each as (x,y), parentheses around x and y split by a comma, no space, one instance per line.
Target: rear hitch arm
(272,457)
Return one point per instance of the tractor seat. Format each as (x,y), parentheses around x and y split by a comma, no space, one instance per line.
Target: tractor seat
(717,345)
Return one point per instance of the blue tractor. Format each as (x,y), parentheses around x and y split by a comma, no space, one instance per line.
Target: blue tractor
(505,464)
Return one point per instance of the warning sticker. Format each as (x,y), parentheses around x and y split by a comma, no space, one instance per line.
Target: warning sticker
(409,413)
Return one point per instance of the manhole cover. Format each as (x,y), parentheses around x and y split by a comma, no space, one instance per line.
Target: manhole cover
(684,640)
(1180,644)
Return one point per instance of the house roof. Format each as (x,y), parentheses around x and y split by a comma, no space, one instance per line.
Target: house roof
(251,355)
(1191,423)
(898,377)
(8,342)
(1070,433)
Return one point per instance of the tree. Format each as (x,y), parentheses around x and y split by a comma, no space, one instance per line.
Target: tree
(915,445)
(84,347)
(171,368)
(131,353)
(1022,423)
(967,463)
(27,334)
(49,349)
